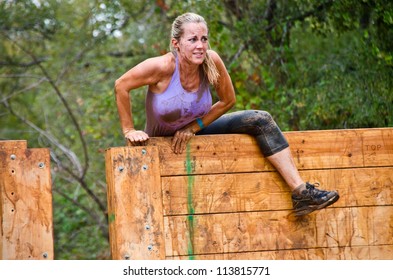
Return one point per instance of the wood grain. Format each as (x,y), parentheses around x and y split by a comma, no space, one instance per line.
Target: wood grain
(221,199)
(25,202)
(378,252)
(212,154)
(220,193)
(272,230)
(134,203)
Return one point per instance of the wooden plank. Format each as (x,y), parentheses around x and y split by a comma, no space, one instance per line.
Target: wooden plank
(207,154)
(212,154)
(10,146)
(221,193)
(378,149)
(25,202)
(342,148)
(135,203)
(379,252)
(272,230)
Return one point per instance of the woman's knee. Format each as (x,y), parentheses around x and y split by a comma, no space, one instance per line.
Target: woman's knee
(271,140)
(264,117)
(259,118)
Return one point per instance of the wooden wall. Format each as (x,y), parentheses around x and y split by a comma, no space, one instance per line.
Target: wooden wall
(221,199)
(25,202)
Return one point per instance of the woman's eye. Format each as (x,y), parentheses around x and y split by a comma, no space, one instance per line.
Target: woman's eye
(193,40)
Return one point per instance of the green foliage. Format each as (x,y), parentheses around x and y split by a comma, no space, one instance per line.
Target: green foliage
(312,64)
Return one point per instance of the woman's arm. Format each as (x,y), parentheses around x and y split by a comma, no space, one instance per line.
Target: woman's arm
(225,92)
(151,72)
(227,99)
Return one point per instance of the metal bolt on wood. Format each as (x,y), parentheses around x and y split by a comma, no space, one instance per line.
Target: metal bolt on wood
(150,247)
(13,157)
(144,152)
(126,257)
(147,227)
(41,165)
(145,167)
(121,168)
(45,255)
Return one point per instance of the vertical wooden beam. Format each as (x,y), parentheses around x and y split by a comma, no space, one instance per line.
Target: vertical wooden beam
(134,203)
(25,202)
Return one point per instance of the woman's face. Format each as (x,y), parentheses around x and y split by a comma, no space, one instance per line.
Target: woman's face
(193,44)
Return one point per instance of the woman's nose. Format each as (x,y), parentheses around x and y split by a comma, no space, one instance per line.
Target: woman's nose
(199,44)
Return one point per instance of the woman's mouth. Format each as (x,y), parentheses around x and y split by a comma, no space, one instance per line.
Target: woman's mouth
(199,54)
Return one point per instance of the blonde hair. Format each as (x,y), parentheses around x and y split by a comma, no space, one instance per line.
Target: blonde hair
(208,66)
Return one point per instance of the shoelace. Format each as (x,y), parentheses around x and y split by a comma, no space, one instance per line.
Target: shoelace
(313,191)
(312,186)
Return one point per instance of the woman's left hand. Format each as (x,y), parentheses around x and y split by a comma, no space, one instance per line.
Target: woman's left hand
(180,139)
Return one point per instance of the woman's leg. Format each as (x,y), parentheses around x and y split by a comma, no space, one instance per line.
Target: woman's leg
(285,165)
(306,198)
(270,139)
(257,123)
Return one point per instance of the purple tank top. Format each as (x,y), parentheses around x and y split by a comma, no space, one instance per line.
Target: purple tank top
(174,108)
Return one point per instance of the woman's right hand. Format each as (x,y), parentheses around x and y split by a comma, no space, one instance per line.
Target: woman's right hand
(136,137)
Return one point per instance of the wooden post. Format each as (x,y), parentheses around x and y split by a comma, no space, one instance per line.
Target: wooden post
(25,202)
(134,203)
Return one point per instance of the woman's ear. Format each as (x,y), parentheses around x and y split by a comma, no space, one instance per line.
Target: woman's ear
(175,44)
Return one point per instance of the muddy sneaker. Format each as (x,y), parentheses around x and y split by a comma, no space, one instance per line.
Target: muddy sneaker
(312,199)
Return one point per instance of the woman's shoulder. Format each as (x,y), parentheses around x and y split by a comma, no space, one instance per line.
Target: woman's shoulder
(216,57)
(161,71)
(213,54)
(165,64)
(217,60)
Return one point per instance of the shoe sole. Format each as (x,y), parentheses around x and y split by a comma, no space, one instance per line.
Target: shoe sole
(308,209)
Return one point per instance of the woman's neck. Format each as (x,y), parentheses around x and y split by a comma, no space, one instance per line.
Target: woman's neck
(189,76)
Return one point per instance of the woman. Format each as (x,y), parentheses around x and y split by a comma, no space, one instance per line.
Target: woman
(179,104)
